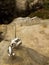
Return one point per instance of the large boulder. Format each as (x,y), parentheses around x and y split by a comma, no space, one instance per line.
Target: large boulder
(35,42)
(9,9)
(24,7)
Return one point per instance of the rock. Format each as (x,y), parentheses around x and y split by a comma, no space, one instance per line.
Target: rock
(21,21)
(9,9)
(36,4)
(35,43)
(24,7)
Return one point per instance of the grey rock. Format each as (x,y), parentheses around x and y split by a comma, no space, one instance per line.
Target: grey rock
(27,21)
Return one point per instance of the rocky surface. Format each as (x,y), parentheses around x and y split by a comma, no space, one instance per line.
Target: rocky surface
(35,42)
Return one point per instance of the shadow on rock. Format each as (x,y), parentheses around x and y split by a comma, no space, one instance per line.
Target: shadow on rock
(35,56)
(14,60)
(27,56)
(1,36)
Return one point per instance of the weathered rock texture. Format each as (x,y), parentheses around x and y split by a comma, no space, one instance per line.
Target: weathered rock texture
(35,42)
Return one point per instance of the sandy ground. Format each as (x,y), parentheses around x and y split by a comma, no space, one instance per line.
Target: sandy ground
(35,44)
